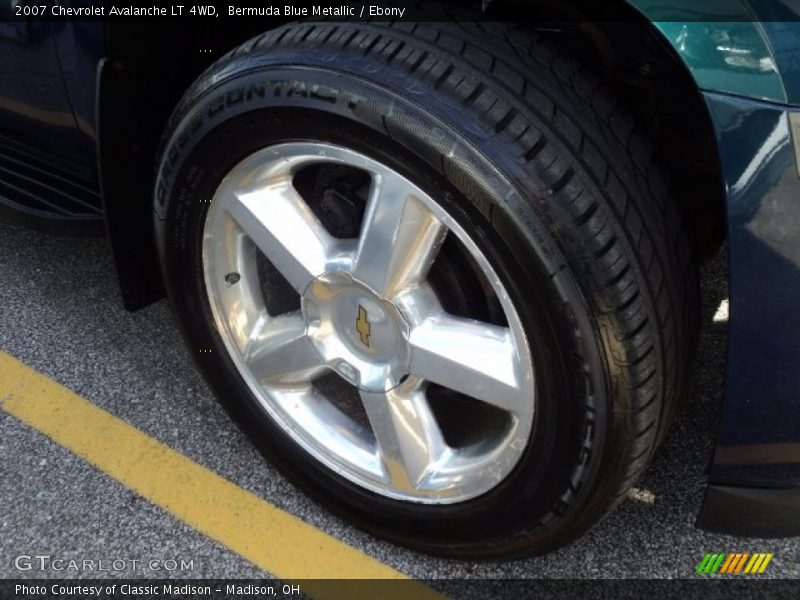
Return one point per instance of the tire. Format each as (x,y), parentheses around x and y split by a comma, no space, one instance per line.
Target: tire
(554,190)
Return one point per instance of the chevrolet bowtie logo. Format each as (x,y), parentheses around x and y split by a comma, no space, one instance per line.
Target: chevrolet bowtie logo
(362,325)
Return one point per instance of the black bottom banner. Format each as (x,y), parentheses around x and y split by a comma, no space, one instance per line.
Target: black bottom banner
(150,589)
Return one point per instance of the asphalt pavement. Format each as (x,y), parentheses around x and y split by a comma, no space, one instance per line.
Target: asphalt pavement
(61,313)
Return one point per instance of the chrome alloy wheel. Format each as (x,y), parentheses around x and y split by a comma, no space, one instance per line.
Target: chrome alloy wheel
(369,314)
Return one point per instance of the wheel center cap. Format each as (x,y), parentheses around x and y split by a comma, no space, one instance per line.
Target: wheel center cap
(355,331)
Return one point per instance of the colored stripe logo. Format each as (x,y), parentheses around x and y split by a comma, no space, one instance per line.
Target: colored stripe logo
(734,563)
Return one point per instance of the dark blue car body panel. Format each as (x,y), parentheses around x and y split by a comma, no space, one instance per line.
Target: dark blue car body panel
(760,428)
(48,90)
(47,122)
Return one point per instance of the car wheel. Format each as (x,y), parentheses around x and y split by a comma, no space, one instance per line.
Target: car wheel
(434,273)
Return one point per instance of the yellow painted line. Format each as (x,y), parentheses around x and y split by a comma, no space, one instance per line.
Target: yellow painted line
(268,537)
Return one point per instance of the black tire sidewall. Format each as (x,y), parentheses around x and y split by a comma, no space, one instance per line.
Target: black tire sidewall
(232,119)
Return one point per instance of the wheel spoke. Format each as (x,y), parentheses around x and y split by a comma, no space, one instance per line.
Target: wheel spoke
(407,433)
(473,358)
(285,229)
(399,239)
(279,351)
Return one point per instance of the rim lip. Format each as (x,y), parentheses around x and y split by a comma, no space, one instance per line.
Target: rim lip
(516,437)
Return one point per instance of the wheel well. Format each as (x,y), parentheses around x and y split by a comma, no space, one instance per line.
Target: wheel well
(629,55)
(148,71)
(648,76)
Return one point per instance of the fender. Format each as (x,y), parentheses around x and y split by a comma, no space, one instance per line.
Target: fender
(140,79)
(724,44)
